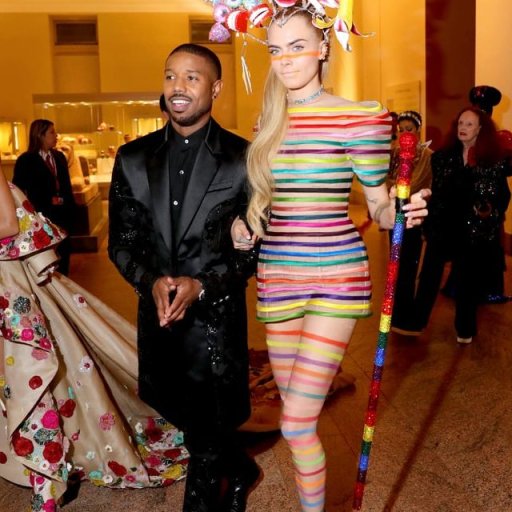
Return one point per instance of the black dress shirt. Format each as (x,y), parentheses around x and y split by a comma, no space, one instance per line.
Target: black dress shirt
(183,152)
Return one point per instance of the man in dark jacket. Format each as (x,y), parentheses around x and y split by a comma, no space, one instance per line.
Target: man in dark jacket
(173,197)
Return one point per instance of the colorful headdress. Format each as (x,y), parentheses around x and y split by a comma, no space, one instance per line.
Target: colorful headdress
(239,15)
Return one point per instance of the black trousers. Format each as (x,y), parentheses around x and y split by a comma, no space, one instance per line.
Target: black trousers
(410,254)
(223,448)
(214,457)
(434,261)
(474,267)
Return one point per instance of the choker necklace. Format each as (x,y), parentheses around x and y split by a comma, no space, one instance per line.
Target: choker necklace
(308,99)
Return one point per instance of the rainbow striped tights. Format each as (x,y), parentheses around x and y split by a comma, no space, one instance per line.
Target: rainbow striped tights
(305,354)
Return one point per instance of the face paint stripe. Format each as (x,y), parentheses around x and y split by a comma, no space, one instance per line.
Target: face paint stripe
(295,55)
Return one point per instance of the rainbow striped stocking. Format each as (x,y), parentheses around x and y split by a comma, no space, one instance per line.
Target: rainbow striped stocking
(305,355)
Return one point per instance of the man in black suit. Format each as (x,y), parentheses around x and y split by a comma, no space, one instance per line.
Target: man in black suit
(173,197)
(42,174)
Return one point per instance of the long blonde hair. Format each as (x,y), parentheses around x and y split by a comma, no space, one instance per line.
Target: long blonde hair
(272,127)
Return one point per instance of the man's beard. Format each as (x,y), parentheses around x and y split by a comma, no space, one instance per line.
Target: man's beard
(192,119)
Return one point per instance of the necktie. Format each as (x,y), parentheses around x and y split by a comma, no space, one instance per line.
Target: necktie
(51,164)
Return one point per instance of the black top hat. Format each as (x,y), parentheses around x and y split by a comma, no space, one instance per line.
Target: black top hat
(485,97)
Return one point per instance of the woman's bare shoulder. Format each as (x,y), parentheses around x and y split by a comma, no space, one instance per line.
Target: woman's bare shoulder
(330,100)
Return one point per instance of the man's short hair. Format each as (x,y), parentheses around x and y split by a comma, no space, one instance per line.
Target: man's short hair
(201,51)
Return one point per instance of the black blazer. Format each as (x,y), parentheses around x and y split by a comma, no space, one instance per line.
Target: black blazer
(195,373)
(35,179)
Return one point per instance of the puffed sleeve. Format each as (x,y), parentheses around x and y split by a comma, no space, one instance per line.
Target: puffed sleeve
(367,136)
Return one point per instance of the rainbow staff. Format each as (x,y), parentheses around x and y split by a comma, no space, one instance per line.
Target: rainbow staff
(408,143)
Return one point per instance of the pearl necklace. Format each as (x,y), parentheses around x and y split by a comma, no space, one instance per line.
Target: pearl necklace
(308,99)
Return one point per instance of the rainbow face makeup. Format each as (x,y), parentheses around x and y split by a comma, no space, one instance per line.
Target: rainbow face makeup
(286,56)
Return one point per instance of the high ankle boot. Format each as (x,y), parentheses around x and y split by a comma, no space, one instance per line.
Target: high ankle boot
(240,485)
(202,489)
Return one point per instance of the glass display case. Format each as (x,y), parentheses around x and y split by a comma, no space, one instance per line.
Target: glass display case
(13,141)
(13,138)
(94,126)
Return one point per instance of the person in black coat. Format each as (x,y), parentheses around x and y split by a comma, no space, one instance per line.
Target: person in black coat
(42,174)
(174,195)
(470,196)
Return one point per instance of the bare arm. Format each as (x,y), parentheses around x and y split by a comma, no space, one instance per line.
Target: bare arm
(8,220)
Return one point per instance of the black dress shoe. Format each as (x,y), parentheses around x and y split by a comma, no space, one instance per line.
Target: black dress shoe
(202,488)
(239,487)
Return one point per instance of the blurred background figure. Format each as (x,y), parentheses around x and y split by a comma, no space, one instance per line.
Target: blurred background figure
(42,174)
(402,321)
(394,129)
(469,198)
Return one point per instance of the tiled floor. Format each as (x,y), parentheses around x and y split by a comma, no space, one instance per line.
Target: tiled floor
(442,441)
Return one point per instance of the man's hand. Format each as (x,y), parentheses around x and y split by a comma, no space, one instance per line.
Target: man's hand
(187,292)
(162,287)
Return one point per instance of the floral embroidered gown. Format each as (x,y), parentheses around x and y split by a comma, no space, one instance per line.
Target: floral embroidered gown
(68,379)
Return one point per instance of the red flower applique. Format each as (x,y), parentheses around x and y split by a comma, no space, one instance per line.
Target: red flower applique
(3,458)
(53,452)
(67,408)
(117,468)
(154,434)
(173,453)
(22,446)
(41,239)
(7,333)
(4,303)
(35,382)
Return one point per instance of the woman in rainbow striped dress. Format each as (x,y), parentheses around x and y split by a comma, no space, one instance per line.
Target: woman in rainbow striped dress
(313,276)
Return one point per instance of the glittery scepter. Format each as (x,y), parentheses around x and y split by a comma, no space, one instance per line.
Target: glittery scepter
(408,143)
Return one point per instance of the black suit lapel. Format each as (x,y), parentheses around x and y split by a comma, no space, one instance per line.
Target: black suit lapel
(157,165)
(204,170)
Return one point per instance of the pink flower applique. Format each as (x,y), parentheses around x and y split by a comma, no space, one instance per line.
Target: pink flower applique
(25,322)
(27,334)
(80,300)
(39,354)
(107,421)
(50,420)
(50,506)
(86,364)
